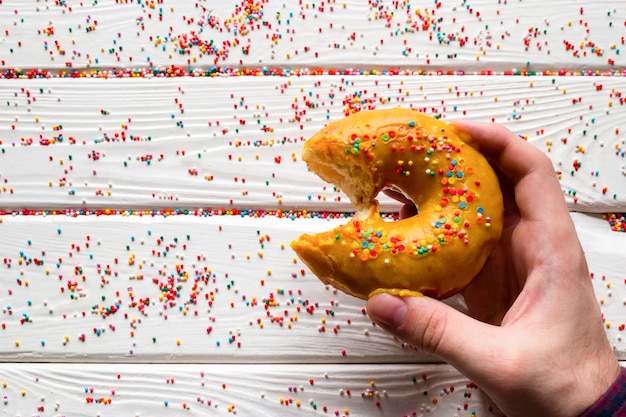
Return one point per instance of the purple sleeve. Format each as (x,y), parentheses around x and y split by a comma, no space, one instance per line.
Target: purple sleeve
(613,401)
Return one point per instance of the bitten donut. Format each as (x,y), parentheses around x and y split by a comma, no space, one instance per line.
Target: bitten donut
(438,251)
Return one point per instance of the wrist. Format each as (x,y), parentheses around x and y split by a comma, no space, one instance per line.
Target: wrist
(613,401)
(594,386)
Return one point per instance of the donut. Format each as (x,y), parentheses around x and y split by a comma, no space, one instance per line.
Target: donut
(436,252)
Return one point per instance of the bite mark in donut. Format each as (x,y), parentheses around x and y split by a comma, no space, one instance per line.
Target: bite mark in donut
(438,251)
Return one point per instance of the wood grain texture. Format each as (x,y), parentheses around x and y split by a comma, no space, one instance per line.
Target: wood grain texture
(260,390)
(444,36)
(132,131)
(235,143)
(228,288)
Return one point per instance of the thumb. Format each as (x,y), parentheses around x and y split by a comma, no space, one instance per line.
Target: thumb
(436,328)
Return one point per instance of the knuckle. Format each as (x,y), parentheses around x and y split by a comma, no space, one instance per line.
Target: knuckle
(428,329)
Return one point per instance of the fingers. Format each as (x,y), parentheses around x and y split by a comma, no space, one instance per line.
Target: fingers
(537,190)
(435,327)
(544,241)
(408,208)
(397,195)
(514,154)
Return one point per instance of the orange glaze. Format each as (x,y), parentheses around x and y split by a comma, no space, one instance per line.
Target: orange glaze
(436,252)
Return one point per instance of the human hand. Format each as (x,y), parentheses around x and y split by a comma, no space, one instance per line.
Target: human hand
(533,338)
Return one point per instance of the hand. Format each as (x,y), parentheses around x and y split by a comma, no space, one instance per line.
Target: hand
(533,338)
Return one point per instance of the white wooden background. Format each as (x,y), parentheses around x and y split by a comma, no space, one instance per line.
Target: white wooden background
(149,189)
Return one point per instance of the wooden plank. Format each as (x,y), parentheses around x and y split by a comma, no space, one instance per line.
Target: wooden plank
(261,390)
(456,36)
(157,312)
(235,143)
(222,289)
(186,288)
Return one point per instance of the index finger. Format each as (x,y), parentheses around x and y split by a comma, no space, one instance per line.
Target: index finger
(537,190)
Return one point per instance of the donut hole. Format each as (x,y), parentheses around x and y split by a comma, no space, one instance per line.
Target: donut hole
(402,204)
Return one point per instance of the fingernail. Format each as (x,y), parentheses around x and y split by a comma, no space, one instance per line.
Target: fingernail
(387,310)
